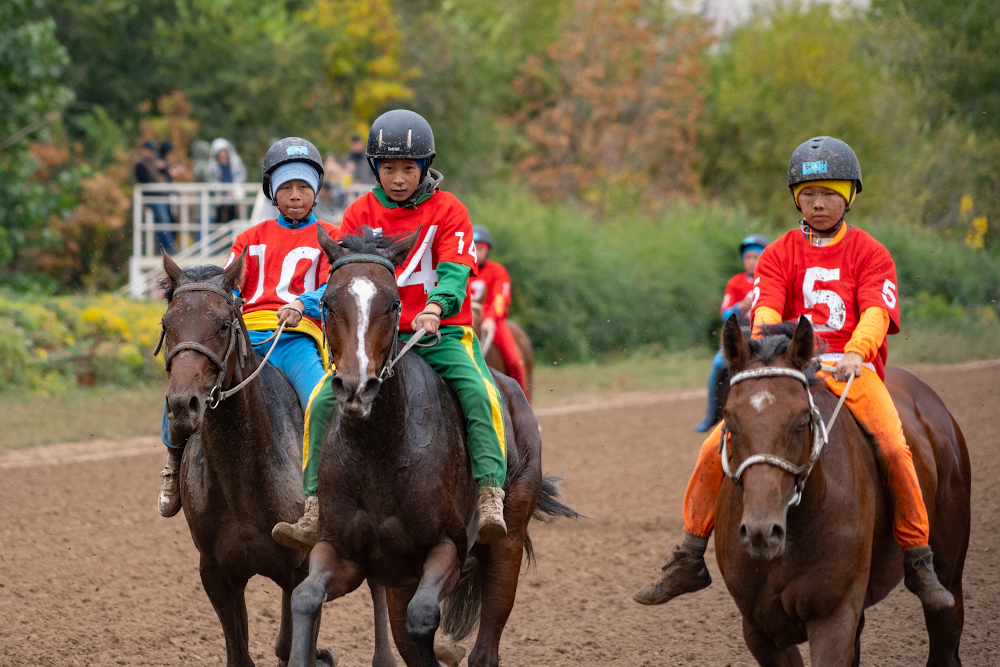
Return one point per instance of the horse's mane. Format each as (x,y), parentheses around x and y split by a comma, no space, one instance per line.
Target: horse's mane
(196,274)
(366,242)
(775,342)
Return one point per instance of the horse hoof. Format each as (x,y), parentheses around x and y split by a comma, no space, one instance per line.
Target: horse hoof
(450,654)
(327,658)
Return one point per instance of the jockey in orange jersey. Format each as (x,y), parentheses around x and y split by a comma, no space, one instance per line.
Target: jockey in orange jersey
(844,281)
(491,289)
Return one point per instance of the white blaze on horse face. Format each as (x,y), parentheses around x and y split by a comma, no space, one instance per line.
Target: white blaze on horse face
(761,400)
(364,291)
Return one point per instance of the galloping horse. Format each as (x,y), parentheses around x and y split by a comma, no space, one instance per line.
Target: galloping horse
(397,498)
(803,536)
(241,470)
(492,355)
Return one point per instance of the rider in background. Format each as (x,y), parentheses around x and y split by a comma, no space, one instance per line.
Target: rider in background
(284,265)
(432,287)
(491,289)
(844,281)
(736,300)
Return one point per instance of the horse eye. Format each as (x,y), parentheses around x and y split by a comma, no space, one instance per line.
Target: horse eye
(225,327)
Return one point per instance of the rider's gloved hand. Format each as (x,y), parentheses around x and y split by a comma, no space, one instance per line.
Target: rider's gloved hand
(429,318)
(291,314)
(850,365)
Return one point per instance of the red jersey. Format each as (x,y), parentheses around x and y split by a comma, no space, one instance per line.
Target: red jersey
(736,290)
(831,285)
(281,264)
(445,236)
(492,289)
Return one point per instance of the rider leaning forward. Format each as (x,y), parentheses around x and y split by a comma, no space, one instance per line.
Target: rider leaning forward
(491,289)
(844,281)
(432,286)
(283,260)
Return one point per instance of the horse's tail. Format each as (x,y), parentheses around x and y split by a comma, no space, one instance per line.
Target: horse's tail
(460,610)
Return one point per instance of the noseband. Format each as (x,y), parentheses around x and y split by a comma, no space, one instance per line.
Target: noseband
(818,429)
(393,358)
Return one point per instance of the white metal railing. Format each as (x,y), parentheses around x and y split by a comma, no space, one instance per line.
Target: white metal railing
(198,239)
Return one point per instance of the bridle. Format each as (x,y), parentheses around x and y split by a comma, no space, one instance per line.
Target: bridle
(818,430)
(217,395)
(393,357)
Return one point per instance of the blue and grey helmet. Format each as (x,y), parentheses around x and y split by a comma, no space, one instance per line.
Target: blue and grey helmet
(290,149)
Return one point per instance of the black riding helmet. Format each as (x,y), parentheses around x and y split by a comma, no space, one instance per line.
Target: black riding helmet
(290,149)
(403,135)
(824,159)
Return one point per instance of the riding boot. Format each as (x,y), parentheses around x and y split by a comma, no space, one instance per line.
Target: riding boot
(920,579)
(684,572)
(303,534)
(169,501)
(492,528)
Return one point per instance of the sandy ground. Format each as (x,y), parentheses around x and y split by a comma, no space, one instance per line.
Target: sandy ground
(91,575)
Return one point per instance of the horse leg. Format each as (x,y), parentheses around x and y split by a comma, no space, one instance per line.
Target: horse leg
(423,615)
(230,606)
(764,650)
(944,628)
(857,642)
(330,577)
(283,644)
(501,565)
(832,640)
(383,651)
(398,600)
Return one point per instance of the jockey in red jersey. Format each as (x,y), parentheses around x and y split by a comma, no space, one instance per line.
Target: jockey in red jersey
(491,289)
(844,282)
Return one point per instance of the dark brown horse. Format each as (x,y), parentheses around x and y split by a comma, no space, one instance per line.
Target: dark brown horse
(492,355)
(397,498)
(806,572)
(241,469)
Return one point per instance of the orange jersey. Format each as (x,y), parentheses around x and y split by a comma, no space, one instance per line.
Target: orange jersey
(281,263)
(831,285)
(492,289)
(445,236)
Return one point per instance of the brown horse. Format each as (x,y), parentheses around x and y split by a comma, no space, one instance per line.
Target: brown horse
(397,498)
(804,569)
(492,355)
(241,469)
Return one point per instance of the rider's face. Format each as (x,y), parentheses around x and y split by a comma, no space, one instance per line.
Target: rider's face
(482,252)
(821,207)
(399,178)
(295,199)
(750,258)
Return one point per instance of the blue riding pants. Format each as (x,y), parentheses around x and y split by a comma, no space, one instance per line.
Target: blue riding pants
(295,356)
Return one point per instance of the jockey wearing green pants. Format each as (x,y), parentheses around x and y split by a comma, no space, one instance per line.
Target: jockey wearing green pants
(433,282)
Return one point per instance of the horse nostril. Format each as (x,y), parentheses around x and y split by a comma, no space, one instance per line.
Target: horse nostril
(743,531)
(193,404)
(777,533)
(371,386)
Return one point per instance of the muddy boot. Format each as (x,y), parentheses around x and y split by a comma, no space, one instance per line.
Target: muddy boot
(684,572)
(919,578)
(169,501)
(304,534)
(492,528)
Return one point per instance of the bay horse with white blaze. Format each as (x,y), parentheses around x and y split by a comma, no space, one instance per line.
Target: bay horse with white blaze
(398,504)
(803,535)
(241,469)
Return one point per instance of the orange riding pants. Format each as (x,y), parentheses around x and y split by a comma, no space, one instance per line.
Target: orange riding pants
(871,405)
(507,346)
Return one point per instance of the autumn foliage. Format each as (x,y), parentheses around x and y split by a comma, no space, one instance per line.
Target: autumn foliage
(611,112)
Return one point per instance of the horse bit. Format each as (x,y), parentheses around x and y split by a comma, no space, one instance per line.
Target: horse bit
(818,429)
(217,395)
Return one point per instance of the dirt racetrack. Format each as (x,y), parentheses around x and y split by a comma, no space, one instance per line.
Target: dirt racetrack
(91,575)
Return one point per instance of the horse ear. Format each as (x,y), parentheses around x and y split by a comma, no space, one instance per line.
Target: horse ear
(400,250)
(800,351)
(234,272)
(174,272)
(734,345)
(330,247)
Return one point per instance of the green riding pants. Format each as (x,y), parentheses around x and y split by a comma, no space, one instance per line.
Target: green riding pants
(459,362)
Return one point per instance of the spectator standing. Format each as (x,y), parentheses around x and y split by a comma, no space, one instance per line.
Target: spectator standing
(357,163)
(202,170)
(151,168)
(227,167)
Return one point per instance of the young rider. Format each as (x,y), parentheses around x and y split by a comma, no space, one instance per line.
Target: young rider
(735,301)
(491,289)
(432,286)
(844,281)
(284,265)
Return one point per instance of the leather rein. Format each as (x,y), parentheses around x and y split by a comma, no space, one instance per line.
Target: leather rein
(818,429)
